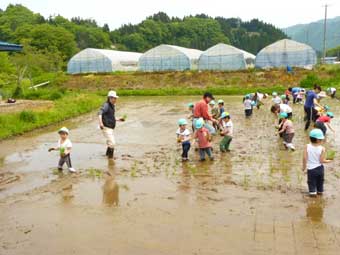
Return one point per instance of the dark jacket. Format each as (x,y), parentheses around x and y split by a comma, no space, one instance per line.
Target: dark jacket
(108,115)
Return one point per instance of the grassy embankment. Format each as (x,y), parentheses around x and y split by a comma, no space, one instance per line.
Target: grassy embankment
(75,95)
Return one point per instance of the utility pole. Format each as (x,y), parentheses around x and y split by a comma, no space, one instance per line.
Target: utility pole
(324,34)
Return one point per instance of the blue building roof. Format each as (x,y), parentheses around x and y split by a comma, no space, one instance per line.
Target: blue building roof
(4,46)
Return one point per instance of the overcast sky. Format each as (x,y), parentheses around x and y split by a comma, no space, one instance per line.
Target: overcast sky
(280,13)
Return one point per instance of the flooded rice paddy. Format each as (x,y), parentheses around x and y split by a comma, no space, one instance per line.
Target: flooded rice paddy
(249,201)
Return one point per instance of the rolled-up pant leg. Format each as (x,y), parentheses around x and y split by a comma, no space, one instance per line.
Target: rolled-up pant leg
(110,139)
(63,160)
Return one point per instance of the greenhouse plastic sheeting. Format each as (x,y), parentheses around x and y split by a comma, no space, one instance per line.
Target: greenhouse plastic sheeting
(286,53)
(102,61)
(169,58)
(224,57)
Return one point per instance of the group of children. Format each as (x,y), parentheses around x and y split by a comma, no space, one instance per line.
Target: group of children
(201,135)
(314,155)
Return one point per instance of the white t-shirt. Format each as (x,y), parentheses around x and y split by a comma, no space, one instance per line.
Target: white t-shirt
(185,135)
(260,96)
(229,126)
(285,108)
(66,144)
(277,100)
(313,156)
(247,104)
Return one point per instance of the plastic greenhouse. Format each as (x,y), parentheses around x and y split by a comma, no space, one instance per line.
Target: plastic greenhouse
(285,53)
(225,57)
(169,58)
(102,61)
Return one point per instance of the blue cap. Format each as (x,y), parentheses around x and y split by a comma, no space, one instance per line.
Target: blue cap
(225,115)
(199,123)
(317,134)
(283,115)
(182,122)
(330,114)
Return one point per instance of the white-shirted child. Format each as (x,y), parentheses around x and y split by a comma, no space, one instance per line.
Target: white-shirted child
(183,137)
(314,157)
(64,146)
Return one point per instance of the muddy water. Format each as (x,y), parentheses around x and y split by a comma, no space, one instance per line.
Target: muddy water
(249,201)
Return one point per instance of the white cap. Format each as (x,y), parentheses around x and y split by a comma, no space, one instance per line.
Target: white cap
(64,129)
(112,94)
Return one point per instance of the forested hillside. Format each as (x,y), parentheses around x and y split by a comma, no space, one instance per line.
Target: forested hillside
(198,32)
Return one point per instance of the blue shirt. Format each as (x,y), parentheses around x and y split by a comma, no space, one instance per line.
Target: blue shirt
(296,90)
(311,95)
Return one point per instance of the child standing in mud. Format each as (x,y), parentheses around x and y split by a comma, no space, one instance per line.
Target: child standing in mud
(221,106)
(227,132)
(64,147)
(314,157)
(287,131)
(276,99)
(203,137)
(248,107)
(183,137)
(191,115)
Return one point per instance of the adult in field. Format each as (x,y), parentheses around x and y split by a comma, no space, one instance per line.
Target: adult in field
(311,102)
(201,110)
(107,121)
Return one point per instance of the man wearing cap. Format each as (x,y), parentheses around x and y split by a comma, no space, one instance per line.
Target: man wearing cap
(107,121)
(310,103)
(201,110)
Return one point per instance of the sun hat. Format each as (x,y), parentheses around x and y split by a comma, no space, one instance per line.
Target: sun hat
(63,130)
(330,114)
(113,94)
(283,115)
(225,115)
(199,123)
(274,94)
(212,102)
(317,134)
(190,104)
(182,122)
(220,101)
(247,96)
(283,97)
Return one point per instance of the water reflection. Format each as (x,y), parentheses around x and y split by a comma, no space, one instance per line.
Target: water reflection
(314,209)
(110,190)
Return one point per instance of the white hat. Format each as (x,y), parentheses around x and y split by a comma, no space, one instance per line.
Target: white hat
(64,129)
(112,94)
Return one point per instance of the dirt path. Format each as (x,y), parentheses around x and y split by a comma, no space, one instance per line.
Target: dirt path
(250,201)
(21,105)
